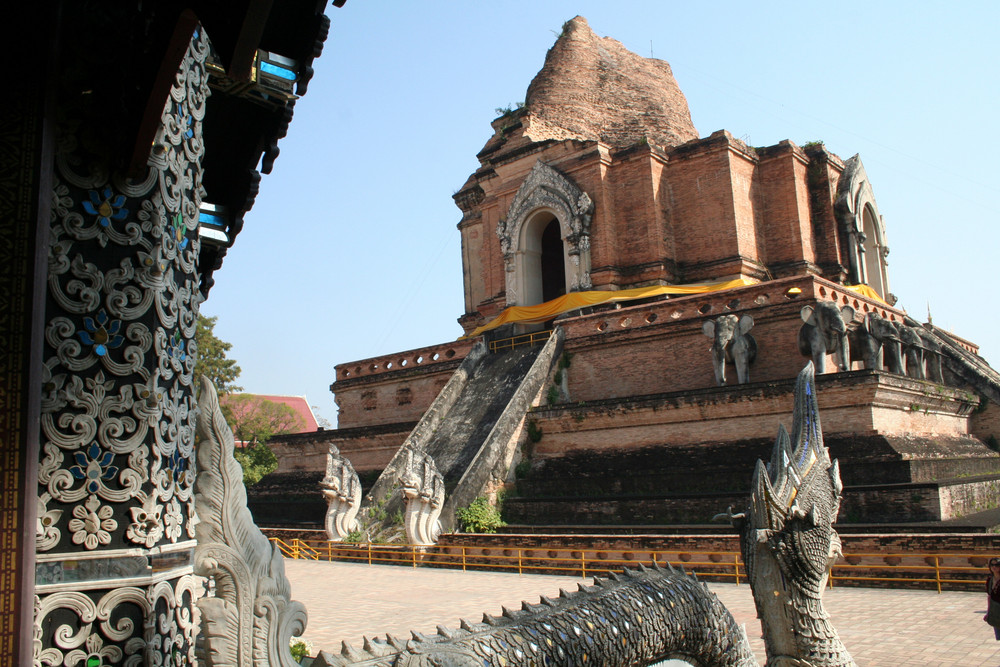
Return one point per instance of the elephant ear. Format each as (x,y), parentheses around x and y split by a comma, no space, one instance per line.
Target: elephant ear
(708,328)
(868,322)
(808,314)
(746,324)
(847,313)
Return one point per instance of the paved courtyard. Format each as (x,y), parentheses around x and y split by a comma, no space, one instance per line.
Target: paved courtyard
(880,627)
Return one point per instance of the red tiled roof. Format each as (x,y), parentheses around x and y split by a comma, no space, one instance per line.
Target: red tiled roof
(301,407)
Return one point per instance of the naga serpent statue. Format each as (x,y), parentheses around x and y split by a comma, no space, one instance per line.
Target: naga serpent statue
(639,617)
(788,541)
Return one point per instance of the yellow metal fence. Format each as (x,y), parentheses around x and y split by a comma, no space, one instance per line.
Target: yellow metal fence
(516,341)
(951,571)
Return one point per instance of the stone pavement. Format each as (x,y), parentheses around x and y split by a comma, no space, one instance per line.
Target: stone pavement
(881,628)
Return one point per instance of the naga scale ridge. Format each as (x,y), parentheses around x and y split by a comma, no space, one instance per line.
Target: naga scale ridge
(638,617)
(249,617)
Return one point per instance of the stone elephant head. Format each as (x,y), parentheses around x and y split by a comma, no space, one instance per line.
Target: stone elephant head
(877,342)
(913,351)
(731,342)
(825,332)
(933,359)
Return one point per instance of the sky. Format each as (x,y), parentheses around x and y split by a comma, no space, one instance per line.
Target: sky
(351,249)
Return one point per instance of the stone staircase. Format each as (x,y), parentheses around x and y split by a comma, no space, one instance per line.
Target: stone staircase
(471,430)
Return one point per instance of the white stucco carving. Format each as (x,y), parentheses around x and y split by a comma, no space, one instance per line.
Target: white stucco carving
(342,490)
(548,193)
(423,488)
(860,220)
(250,617)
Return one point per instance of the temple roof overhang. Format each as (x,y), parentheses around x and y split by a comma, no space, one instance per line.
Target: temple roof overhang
(118,78)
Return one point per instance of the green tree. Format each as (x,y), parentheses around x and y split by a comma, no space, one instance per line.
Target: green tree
(256,461)
(212,361)
(254,420)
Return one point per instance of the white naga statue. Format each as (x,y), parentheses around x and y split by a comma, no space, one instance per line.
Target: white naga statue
(342,490)
(249,616)
(423,488)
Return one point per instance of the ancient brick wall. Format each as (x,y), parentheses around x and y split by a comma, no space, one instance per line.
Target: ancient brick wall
(630,243)
(366,447)
(787,221)
(396,387)
(700,211)
(823,174)
(986,423)
(657,347)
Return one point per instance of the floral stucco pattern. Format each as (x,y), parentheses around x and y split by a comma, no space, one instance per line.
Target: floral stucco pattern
(116,471)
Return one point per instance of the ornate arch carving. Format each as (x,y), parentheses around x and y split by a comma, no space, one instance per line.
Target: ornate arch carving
(868,247)
(547,189)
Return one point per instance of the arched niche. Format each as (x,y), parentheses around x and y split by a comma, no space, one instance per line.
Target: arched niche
(541,266)
(864,229)
(545,197)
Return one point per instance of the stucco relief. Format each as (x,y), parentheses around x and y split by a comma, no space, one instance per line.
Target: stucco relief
(547,189)
(116,470)
(858,216)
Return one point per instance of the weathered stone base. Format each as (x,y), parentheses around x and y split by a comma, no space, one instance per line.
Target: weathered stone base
(293,498)
(366,447)
(880,503)
(903,445)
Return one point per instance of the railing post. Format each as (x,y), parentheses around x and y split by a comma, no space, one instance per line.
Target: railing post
(736,567)
(463,559)
(295,547)
(413,555)
(583,564)
(369,553)
(519,560)
(937,572)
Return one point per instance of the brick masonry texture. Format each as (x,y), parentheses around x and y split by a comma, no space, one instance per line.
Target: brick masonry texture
(640,393)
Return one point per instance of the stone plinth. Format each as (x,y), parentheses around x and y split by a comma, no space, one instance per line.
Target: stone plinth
(679,457)
(655,347)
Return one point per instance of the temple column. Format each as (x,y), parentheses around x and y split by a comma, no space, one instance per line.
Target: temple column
(115,530)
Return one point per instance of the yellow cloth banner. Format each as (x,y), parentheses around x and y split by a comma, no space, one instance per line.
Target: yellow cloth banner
(865,290)
(567,302)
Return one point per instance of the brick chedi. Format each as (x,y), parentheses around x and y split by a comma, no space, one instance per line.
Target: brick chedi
(600,184)
(668,207)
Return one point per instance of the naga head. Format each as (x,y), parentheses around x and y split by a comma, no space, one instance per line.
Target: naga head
(794,503)
(420,479)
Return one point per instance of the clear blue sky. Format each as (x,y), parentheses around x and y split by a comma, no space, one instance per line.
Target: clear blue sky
(352,251)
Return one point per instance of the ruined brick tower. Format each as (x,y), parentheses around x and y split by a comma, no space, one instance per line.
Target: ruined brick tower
(604,158)
(598,210)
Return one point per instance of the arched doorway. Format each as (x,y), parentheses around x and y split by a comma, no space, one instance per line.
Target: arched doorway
(542,259)
(546,198)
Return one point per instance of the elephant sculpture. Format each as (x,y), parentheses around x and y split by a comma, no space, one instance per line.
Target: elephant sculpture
(877,342)
(913,351)
(825,332)
(731,342)
(933,359)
